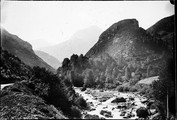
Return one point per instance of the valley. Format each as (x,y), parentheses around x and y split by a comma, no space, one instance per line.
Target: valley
(123,72)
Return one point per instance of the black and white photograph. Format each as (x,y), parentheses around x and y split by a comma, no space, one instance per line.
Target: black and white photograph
(88,60)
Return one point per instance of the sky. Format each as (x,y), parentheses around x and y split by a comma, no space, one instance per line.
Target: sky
(46,23)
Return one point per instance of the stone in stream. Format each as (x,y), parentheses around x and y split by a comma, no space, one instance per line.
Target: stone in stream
(142,112)
(121,106)
(92,109)
(119,99)
(83,88)
(105,107)
(123,113)
(103,99)
(106,113)
(131,98)
(88,116)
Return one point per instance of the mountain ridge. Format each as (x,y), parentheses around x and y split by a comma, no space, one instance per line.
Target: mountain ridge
(80,42)
(22,49)
(52,61)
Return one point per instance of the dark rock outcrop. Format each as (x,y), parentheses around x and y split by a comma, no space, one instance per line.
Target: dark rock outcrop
(118,100)
(142,112)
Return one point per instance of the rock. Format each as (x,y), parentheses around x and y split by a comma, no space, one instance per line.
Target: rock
(123,113)
(105,107)
(101,90)
(92,109)
(122,107)
(131,98)
(129,115)
(144,101)
(83,88)
(103,99)
(142,112)
(88,116)
(102,118)
(106,113)
(119,99)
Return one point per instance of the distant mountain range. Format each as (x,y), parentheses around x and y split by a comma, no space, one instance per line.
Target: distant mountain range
(52,61)
(22,49)
(79,43)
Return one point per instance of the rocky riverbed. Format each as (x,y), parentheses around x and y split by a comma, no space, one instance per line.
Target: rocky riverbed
(111,104)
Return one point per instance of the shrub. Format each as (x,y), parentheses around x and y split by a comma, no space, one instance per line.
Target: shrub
(77,80)
(125,89)
(81,102)
(75,112)
(120,88)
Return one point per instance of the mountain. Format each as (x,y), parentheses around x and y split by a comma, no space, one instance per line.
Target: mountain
(79,43)
(164,30)
(124,54)
(52,61)
(126,42)
(22,49)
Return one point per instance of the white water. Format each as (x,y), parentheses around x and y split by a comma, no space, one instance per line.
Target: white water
(107,105)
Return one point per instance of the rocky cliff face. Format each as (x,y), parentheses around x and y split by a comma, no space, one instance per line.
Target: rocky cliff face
(127,43)
(22,49)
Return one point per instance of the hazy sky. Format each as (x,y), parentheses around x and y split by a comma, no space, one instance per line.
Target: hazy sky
(54,22)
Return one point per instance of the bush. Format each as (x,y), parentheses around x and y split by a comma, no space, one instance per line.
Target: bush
(77,80)
(120,88)
(75,112)
(81,102)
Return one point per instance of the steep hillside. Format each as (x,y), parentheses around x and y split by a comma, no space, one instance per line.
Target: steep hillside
(52,61)
(36,93)
(164,30)
(79,43)
(129,44)
(22,49)
(13,69)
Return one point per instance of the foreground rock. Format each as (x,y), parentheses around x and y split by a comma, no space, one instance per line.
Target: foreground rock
(118,100)
(106,113)
(142,112)
(88,116)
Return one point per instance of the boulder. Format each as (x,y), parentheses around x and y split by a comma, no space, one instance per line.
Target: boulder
(92,109)
(88,116)
(103,99)
(142,112)
(106,113)
(123,113)
(118,100)
(131,98)
(83,88)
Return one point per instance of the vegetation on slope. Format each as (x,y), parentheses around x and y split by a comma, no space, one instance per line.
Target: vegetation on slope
(39,87)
